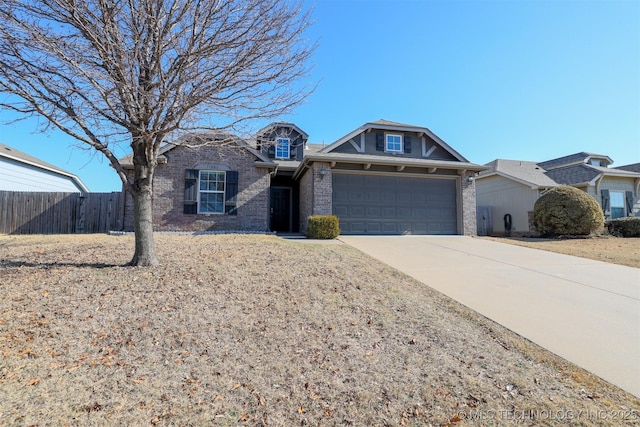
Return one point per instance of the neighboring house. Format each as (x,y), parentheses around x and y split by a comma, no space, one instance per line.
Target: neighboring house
(513,186)
(382,178)
(22,172)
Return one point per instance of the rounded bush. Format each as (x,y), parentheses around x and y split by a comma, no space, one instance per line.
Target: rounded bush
(323,227)
(567,211)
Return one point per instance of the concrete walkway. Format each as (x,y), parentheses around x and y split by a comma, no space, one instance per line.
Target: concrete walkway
(587,312)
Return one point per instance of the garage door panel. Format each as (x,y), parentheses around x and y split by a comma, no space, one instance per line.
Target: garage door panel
(382,204)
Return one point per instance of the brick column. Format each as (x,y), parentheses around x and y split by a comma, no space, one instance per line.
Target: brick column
(468,204)
(322,189)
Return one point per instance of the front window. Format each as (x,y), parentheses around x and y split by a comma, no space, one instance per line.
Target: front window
(617,204)
(282,148)
(393,143)
(211,192)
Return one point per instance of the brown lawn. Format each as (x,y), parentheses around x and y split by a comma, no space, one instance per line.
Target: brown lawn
(616,250)
(253,330)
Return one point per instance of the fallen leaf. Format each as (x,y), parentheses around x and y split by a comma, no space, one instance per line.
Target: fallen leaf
(300,409)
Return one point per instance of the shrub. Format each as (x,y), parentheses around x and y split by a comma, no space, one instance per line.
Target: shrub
(567,211)
(323,227)
(624,227)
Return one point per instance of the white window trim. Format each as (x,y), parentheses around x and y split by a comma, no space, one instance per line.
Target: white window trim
(200,204)
(386,143)
(280,141)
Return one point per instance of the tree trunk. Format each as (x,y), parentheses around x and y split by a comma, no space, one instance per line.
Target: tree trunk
(145,253)
(142,192)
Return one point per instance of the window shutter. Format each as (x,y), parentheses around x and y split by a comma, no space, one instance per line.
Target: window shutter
(191,191)
(231,193)
(605,200)
(271,151)
(407,144)
(629,197)
(379,142)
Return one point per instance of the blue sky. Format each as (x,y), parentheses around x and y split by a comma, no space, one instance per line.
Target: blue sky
(523,80)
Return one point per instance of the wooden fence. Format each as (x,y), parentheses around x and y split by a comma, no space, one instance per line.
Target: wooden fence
(60,213)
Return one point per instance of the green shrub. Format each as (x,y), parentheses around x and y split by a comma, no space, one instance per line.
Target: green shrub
(624,227)
(323,227)
(567,211)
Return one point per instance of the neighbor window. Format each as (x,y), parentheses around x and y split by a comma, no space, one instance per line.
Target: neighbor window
(393,143)
(211,194)
(617,204)
(282,148)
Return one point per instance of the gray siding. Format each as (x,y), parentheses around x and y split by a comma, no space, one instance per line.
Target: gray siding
(506,196)
(416,147)
(16,176)
(620,184)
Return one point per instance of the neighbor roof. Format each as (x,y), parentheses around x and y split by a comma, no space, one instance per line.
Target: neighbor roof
(528,173)
(568,170)
(634,167)
(19,156)
(572,159)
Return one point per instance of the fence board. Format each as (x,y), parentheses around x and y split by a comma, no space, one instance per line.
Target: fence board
(60,213)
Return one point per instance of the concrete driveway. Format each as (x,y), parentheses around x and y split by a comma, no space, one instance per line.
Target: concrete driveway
(586,311)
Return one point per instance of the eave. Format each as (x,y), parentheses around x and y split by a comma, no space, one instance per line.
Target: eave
(400,163)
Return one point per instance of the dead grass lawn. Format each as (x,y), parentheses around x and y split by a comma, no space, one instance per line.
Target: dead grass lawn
(616,250)
(253,330)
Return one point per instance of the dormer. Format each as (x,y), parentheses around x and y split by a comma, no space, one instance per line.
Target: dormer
(282,141)
(600,161)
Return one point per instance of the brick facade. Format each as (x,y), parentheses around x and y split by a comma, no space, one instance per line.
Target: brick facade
(468,189)
(316,192)
(169,187)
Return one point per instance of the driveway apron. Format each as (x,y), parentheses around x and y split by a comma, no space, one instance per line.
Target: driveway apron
(585,311)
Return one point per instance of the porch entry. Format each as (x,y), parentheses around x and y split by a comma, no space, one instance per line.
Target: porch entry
(281,209)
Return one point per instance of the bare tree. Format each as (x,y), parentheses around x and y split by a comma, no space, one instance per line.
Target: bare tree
(117,72)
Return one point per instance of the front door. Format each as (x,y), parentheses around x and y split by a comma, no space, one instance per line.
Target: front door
(281,209)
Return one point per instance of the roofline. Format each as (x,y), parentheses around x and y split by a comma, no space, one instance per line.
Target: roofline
(386,161)
(52,168)
(241,142)
(283,124)
(530,184)
(399,127)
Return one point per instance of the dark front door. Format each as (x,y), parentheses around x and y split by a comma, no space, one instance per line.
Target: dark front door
(281,209)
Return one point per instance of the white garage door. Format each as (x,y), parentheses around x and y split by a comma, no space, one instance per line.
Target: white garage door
(382,204)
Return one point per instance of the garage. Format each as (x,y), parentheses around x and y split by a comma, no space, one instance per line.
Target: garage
(394,204)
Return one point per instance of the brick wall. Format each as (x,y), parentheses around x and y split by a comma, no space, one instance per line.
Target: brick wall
(306,199)
(169,184)
(322,189)
(315,193)
(468,204)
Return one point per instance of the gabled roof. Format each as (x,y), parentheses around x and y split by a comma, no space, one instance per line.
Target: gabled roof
(573,159)
(527,173)
(383,124)
(270,126)
(18,156)
(127,161)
